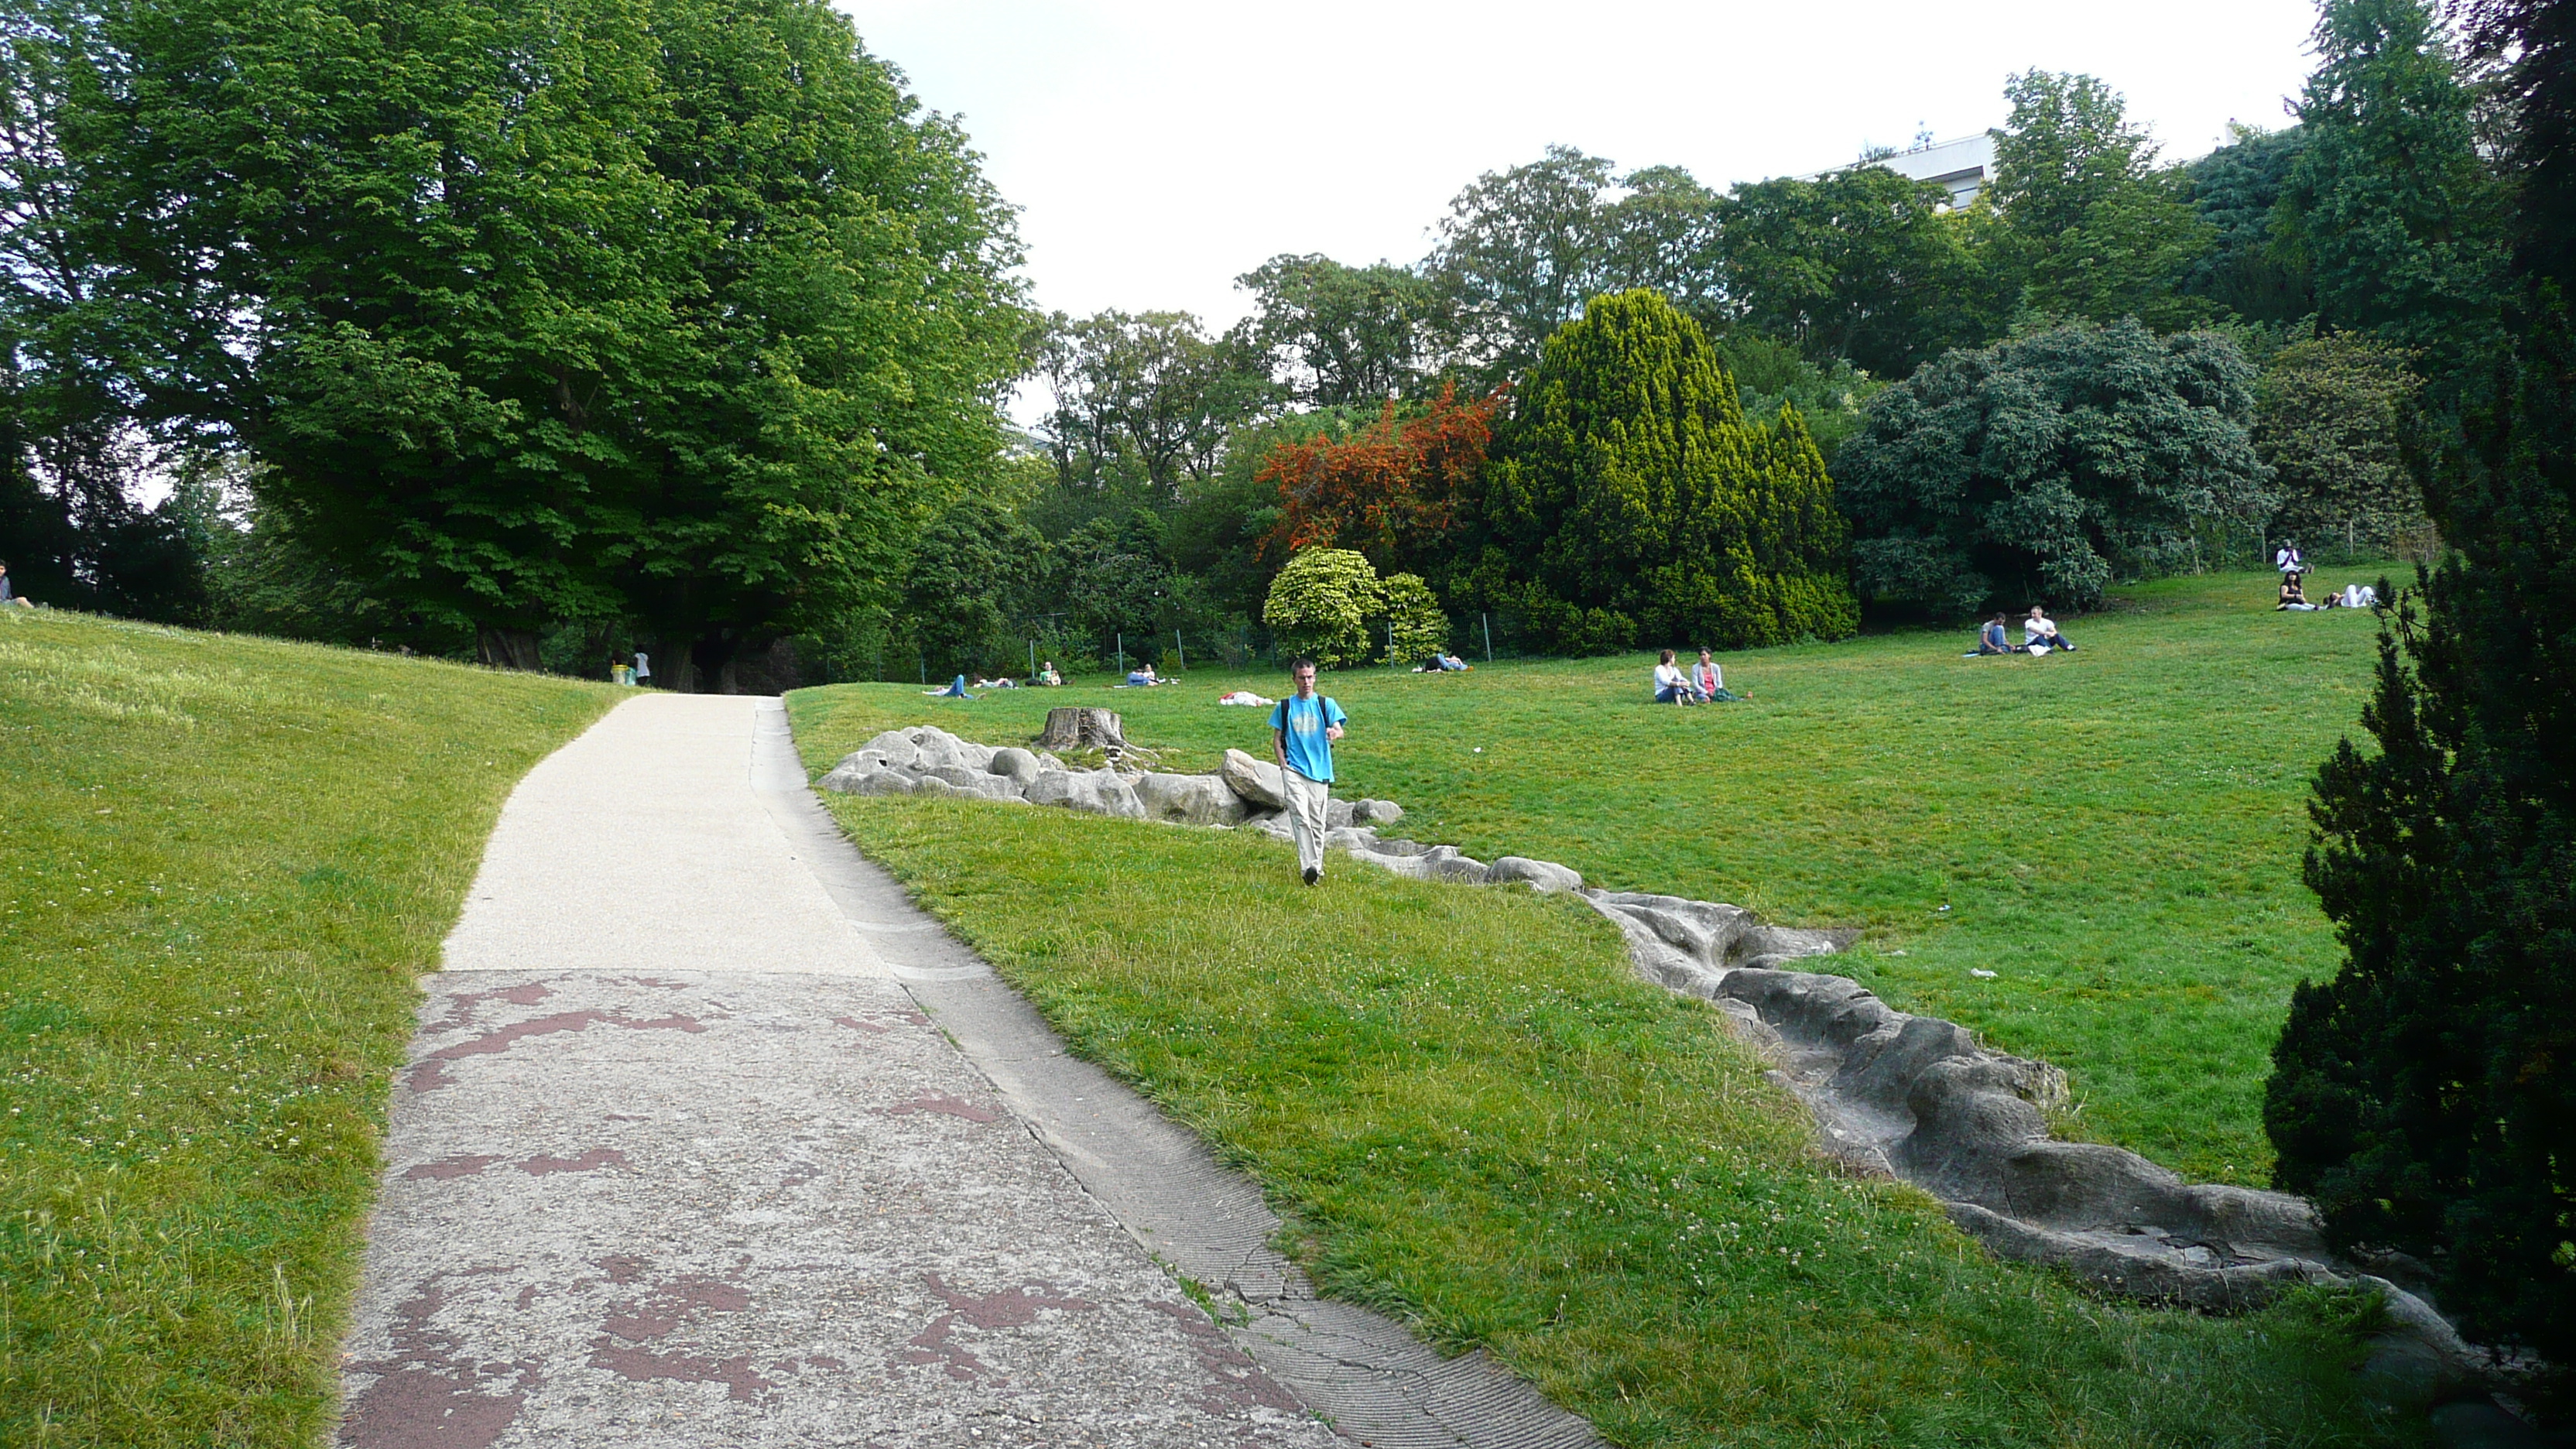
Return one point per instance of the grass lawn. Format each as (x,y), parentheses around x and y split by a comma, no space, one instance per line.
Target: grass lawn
(1473,1116)
(2115,833)
(227,861)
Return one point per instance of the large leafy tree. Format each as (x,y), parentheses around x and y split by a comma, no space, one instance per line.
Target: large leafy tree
(2095,229)
(657,308)
(1343,334)
(1860,264)
(1522,251)
(2389,204)
(1631,503)
(2235,188)
(2333,419)
(1143,403)
(2047,465)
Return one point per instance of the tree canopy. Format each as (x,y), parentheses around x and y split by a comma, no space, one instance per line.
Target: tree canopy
(2047,465)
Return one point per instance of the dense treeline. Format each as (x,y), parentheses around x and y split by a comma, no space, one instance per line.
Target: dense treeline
(544,334)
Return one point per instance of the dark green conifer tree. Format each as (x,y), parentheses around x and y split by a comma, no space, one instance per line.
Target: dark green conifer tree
(1631,504)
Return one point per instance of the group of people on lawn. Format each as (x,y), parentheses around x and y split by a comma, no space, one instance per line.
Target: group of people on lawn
(1702,683)
(2039,635)
(2294,598)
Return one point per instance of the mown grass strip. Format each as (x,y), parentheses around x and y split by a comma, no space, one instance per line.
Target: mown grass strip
(2115,833)
(1475,1118)
(227,860)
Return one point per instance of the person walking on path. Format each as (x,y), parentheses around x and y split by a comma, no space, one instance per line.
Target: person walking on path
(1302,731)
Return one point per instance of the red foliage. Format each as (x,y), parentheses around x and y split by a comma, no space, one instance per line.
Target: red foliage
(1392,492)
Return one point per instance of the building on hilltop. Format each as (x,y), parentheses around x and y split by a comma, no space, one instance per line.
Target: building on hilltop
(1962,167)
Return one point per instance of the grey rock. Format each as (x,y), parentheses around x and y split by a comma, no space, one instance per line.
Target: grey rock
(1337,816)
(1376,812)
(1257,781)
(1440,862)
(851,779)
(1543,876)
(1188,799)
(1094,792)
(1018,764)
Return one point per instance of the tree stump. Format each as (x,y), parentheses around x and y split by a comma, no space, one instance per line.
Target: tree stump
(1084,729)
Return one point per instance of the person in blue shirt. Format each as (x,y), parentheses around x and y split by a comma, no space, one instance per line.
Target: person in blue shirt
(1302,731)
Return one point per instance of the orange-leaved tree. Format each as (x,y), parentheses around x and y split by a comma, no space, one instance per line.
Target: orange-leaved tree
(1392,492)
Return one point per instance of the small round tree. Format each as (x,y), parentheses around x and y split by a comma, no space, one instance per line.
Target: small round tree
(1415,623)
(1321,604)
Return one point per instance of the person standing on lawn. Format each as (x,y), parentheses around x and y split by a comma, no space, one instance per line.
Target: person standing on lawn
(1302,731)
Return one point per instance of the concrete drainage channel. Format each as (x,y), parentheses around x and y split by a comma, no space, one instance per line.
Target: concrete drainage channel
(1363,1372)
(1915,1098)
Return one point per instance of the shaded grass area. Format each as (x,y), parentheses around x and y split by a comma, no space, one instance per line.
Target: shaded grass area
(2115,833)
(1475,1118)
(226,862)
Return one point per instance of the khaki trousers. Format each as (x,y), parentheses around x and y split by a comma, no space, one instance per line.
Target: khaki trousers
(1306,817)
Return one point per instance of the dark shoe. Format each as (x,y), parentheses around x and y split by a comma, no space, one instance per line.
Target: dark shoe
(1313,875)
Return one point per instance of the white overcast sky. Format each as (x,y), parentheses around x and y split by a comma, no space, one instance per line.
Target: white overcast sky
(1158,149)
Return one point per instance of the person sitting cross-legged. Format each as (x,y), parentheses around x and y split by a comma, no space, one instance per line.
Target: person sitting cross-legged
(2039,633)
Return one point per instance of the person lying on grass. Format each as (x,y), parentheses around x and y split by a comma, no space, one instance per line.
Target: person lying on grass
(955,690)
(1143,677)
(1671,685)
(1302,731)
(2039,633)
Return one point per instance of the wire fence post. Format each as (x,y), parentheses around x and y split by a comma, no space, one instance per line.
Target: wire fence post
(1122,654)
(1390,643)
(1033,659)
(924,661)
(1488,621)
(1182,650)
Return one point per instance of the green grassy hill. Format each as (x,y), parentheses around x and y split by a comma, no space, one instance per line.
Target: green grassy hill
(2115,833)
(226,861)
(1473,1116)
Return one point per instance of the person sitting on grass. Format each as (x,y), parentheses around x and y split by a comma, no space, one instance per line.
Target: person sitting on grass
(955,690)
(1671,685)
(2291,597)
(2039,633)
(1992,639)
(1708,682)
(6,597)
(1047,675)
(1142,677)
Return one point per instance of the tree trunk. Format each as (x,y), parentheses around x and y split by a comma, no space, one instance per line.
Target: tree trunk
(506,648)
(1083,729)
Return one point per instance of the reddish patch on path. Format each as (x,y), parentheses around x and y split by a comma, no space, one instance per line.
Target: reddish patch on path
(591,1161)
(943,1103)
(680,1301)
(1010,1308)
(462,1006)
(426,1396)
(462,1164)
(430,1072)
(741,1381)
(854,1024)
(677,1302)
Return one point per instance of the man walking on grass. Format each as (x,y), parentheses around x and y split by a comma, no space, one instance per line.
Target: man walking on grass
(1302,731)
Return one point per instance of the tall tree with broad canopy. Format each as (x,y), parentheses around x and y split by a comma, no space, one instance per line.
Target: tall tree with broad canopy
(1630,503)
(1521,251)
(2094,229)
(2235,188)
(2047,465)
(1860,264)
(1144,402)
(665,308)
(2389,204)
(1343,334)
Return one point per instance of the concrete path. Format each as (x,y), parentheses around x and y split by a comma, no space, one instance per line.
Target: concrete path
(684,1157)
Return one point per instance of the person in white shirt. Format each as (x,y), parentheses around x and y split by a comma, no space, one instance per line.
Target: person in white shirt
(2289,560)
(2039,633)
(1671,685)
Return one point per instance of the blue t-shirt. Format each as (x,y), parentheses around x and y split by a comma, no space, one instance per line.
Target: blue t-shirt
(1304,721)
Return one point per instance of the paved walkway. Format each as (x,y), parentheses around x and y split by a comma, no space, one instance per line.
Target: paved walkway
(709,1138)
